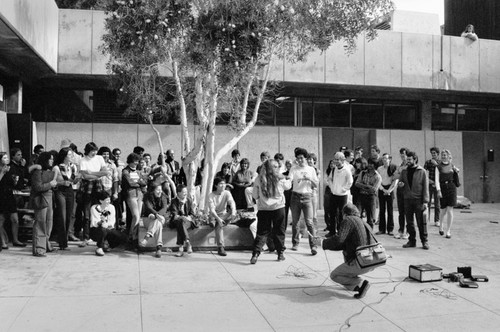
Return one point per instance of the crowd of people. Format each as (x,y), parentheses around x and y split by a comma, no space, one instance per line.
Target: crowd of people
(97,197)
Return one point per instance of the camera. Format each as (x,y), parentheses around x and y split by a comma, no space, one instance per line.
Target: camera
(105,213)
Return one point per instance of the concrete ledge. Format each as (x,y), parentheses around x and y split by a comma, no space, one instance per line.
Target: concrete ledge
(203,238)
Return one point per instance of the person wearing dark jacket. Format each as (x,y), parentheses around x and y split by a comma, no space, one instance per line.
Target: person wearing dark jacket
(42,182)
(352,233)
(155,210)
(415,185)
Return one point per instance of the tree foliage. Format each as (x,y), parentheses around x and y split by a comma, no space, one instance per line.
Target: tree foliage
(203,57)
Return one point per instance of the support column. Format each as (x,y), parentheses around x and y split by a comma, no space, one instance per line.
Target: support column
(426,114)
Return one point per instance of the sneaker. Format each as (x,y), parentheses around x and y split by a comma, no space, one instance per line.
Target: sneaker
(221,251)
(362,290)
(398,235)
(437,224)
(189,248)
(281,257)
(405,236)
(158,253)
(425,246)
(314,251)
(143,242)
(180,253)
(295,247)
(83,244)
(409,245)
(99,252)
(379,233)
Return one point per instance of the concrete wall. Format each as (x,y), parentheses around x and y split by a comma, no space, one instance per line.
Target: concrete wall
(127,136)
(421,141)
(396,59)
(80,33)
(415,22)
(37,23)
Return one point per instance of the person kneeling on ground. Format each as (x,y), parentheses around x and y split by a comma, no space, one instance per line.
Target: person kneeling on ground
(352,233)
(155,209)
(219,201)
(102,225)
(182,218)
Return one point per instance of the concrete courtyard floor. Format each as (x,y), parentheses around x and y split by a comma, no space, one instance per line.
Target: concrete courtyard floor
(123,291)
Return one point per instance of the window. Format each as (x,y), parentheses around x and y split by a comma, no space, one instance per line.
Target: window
(306,112)
(400,115)
(329,112)
(285,111)
(367,114)
(495,119)
(266,114)
(443,116)
(473,118)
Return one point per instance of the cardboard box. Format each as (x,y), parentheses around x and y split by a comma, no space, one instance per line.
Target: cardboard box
(425,273)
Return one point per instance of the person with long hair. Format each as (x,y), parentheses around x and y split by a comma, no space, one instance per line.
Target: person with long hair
(66,175)
(132,184)
(269,188)
(446,185)
(7,200)
(42,182)
(225,173)
(469,33)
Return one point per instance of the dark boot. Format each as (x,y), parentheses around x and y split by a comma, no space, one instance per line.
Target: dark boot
(255,256)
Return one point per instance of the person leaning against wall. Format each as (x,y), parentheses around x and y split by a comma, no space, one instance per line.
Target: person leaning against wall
(469,33)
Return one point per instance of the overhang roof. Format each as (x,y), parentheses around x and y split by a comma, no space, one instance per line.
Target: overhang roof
(18,59)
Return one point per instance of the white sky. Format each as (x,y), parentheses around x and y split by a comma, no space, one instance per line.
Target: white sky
(426,6)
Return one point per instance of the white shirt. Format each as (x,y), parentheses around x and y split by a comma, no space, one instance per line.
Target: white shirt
(108,216)
(297,173)
(340,181)
(94,164)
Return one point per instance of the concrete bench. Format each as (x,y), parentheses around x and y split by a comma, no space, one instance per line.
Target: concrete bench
(203,238)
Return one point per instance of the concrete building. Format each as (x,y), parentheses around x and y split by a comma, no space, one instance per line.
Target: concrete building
(404,89)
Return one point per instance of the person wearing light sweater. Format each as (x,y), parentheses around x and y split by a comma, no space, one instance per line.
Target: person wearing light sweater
(340,182)
(269,192)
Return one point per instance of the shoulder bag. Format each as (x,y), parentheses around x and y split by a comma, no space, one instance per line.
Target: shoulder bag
(370,255)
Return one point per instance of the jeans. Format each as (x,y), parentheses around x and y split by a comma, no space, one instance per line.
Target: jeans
(401,210)
(437,207)
(65,200)
(134,204)
(385,201)
(270,223)
(327,206)
(154,228)
(302,203)
(183,224)
(219,233)
(367,202)
(42,227)
(347,274)
(337,203)
(414,207)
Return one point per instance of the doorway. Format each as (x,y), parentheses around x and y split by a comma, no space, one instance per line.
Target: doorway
(481,175)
